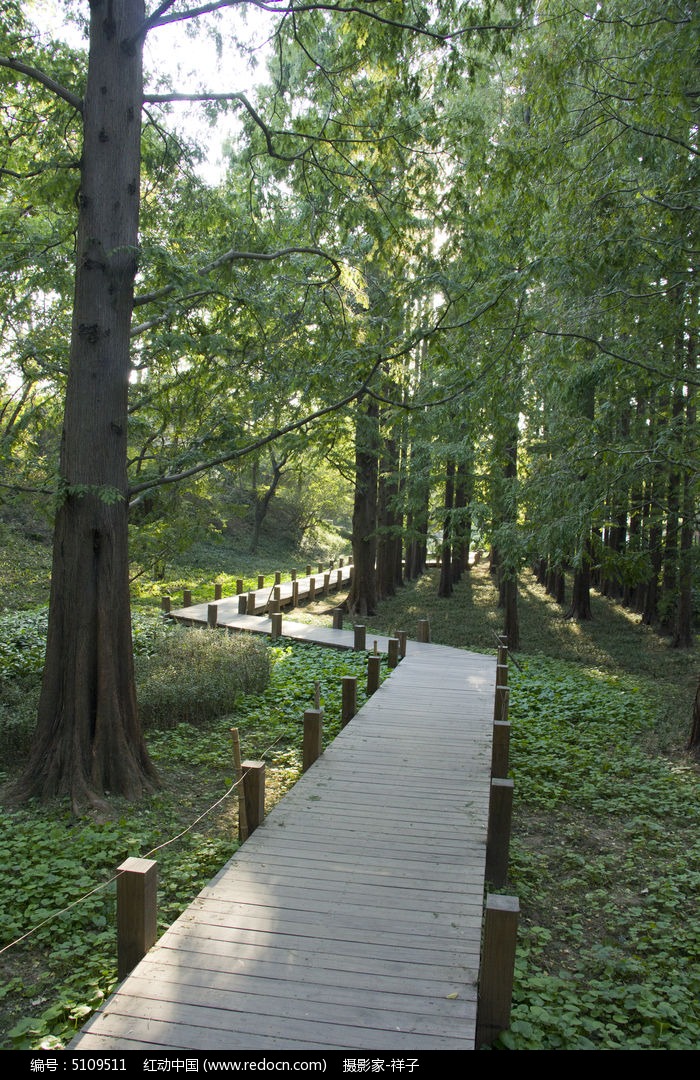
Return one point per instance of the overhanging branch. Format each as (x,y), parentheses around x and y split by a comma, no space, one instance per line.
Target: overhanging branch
(257,444)
(41,77)
(235,255)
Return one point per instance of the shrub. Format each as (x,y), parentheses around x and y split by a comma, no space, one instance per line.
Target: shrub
(193,676)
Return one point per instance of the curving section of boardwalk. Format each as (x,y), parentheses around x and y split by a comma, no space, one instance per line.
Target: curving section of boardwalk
(351,920)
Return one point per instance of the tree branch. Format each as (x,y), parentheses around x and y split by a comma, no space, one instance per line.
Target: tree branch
(41,77)
(244,256)
(159,18)
(257,444)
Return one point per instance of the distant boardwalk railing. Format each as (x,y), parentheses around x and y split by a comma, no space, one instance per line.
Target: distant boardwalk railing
(352,918)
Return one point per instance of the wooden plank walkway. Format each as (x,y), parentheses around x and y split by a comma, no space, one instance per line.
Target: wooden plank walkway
(287,593)
(351,920)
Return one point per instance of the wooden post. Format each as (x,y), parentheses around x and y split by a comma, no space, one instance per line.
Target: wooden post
(242,604)
(341,563)
(503,649)
(312,744)
(374,664)
(295,592)
(393,652)
(165,604)
(360,639)
(292,575)
(498,838)
(338,580)
(312,588)
(424,630)
(349,699)
(278,577)
(276,630)
(250,606)
(308,571)
(500,753)
(238,775)
(187,598)
(326,583)
(239,586)
(497,968)
(254,793)
(500,703)
(403,640)
(320,569)
(137,889)
(212,615)
(501,674)
(277,593)
(218,590)
(338,619)
(273,605)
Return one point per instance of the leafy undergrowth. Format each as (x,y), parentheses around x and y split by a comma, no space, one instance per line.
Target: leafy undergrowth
(606,866)
(53,979)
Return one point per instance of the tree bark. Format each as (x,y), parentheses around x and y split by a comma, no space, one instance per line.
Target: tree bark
(388,527)
(261,504)
(580,608)
(445,586)
(88,739)
(362,597)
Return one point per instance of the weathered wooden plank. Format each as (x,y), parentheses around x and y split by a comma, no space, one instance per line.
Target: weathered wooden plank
(352,917)
(319,979)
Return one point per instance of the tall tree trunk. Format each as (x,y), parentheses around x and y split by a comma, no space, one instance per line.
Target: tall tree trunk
(418,497)
(580,607)
(683,628)
(463,521)
(445,586)
(694,740)
(362,597)
(88,739)
(387,527)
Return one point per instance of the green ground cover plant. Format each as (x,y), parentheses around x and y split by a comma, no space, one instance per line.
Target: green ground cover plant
(56,977)
(605,857)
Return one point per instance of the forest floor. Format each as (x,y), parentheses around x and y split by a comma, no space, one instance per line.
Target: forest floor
(605,854)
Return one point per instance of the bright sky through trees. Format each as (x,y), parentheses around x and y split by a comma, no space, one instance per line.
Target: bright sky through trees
(190,58)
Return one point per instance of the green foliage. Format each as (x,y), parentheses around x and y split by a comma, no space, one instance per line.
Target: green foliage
(68,964)
(193,676)
(623,859)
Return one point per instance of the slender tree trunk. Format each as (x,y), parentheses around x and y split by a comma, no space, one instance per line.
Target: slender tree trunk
(88,739)
(362,597)
(580,607)
(445,586)
(387,496)
(261,504)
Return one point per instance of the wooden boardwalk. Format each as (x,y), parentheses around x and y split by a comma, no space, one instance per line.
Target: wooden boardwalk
(351,920)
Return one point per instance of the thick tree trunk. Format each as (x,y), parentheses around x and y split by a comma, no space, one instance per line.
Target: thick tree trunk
(88,738)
